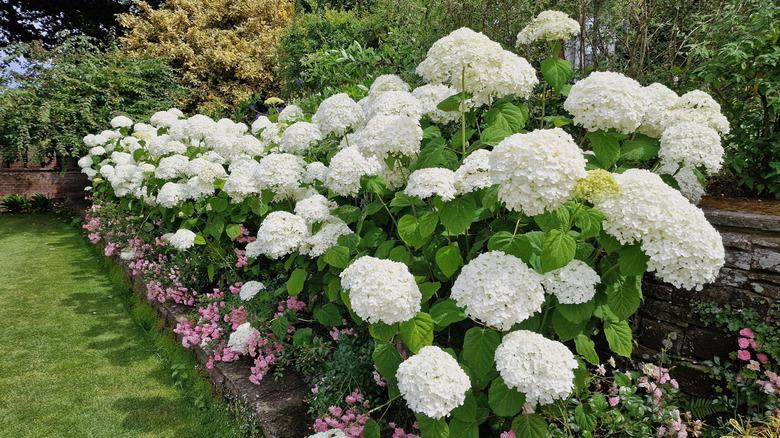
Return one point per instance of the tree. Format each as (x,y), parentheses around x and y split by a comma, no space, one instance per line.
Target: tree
(225,49)
(29,20)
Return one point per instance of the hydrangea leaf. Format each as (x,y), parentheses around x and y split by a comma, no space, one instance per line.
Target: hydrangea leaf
(504,401)
(458,214)
(479,349)
(586,348)
(632,260)
(557,72)
(624,297)
(529,426)
(445,312)
(558,250)
(449,260)
(430,428)
(619,337)
(328,315)
(337,256)
(296,281)
(417,332)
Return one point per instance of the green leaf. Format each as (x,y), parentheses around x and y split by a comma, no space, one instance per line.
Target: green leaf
(445,312)
(218,205)
(428,290)
(296,280)
(347,213)
(619,337)
(588,220)
(430,428)
(417,332)
(529,426)
(448,259)
(606,147)
(279,327)
(233,231)
(383,332)
(557,72)
(479,349)
(416,232)
(632,260)
(577,313)
(457,215)
(504,401)
(371,429)
(624,297)
(558,250)
(464,428)
(451,103)
(386,360)
(337,256)
(585,421)
(560,219)
(199,239)
(401,199)
(586,348)
(565,329)
(328,315)
(210,271)
(303,336)
(507,115)
(468,410)
(640,148)
(522,246)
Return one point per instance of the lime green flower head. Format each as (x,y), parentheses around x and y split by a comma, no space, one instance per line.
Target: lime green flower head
(597,184)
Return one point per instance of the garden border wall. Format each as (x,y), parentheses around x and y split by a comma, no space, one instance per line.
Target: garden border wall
(277,405)
(53,183)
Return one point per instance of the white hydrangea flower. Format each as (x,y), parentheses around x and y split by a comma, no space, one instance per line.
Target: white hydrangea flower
(606,100)
(182,239)
(121,122)
(207,171)
(698,107)
(694,144)
(395,177)
(314,208)
(290,114)
(172,167)
(85,161)
(282,173)
(261,122)
(346,168)
(430,96)
(474,173)
(490,71)
(536,171)
(198,187)
(241,182)
(574,283)
(240,339)
(338,114)
(250,289)
(540,368)
(381,290)
(394,103)
(424,183)
(315,171)
(684,249)
(281,233)
(498,289)
(690,187)
(163,145)
(165,119)
(97,151)
(89,172)
(384,83)
(432,382)
(549,26)
(332,433)
(385,135)
(327,237)
(271,136)
(299,137)
(171,194)
(660,99)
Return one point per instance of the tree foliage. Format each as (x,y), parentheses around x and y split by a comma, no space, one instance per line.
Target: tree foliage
(225,50)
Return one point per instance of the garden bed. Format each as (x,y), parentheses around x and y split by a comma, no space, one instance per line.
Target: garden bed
(277,405)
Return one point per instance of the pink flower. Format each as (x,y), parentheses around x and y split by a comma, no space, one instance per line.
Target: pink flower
(613,401)
(746,332)
(507,434)
(743,343)
(743,355)
(753,365)
(762,358)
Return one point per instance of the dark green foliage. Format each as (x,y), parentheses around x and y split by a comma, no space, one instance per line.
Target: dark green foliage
(39,203)
(14,203)
(72,90)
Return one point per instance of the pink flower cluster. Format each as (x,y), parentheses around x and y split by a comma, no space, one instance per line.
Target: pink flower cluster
(770,386)
(677,428)
(110,249)
(653,378)
(351,419)
(176,291)
(747,342)
(264,350)
(206,330)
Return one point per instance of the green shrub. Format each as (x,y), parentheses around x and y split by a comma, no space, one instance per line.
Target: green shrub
(71,90)
(14,203)
(39,203)
(737,55)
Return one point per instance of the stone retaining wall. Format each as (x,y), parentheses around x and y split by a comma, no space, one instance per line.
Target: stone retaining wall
(749,279)
(277,405)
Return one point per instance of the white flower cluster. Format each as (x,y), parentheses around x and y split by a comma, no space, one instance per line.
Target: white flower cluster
(282,173)
(299,137)
(470,61)
(385,135)
(607,100)
(241,338)
(314,208)
(540,368)
(394,103)
(381,290)
(338,114)
(698,107)
(548,26)
(659,100)
(328,236)
(498,289)
(281,233)
(424,183)
(290,114)
(432,382)
(536,171)
(690,187)
(346,169)
(474,173)
(182,239)
(574,283)
(692,144)
(430,96)
(332,433)
(250,289)
(684,249)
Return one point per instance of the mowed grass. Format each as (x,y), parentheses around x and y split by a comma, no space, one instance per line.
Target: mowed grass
(80,356)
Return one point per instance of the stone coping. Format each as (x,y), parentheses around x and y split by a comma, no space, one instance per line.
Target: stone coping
(276,405)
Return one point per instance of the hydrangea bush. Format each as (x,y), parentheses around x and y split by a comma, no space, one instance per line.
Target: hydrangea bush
(486,229)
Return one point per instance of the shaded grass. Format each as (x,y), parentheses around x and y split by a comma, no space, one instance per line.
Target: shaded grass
(84,357)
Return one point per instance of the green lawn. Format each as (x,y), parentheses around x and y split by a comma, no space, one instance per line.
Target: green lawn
(79,356)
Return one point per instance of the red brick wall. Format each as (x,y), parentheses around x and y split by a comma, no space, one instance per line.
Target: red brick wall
(52,183)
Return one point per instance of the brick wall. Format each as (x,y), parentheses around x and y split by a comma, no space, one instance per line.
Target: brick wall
(749,279)
(52,183)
